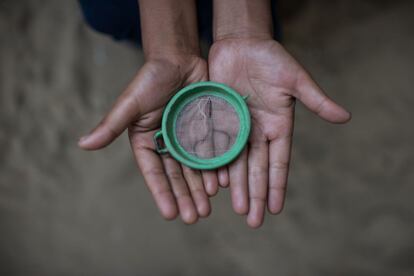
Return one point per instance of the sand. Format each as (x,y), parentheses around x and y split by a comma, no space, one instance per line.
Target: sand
(67,212)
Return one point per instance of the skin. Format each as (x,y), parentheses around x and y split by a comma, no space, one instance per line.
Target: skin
(172,61)
(245,57)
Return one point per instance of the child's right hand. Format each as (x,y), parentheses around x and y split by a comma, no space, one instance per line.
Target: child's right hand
(175,188)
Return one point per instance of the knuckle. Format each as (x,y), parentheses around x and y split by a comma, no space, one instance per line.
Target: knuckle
(174,175)
(161,192)
(197,189)
(320,106)
(257,198)
(105,124)
(258,171)
(153,171)
(279,165)
(278,188)
(181,194)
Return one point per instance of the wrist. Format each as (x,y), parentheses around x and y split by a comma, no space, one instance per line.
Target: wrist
(174,48)
(242,19)
(181,66)
(169,27)
(242,33)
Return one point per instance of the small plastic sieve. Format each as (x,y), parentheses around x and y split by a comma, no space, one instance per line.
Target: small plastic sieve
(204,126)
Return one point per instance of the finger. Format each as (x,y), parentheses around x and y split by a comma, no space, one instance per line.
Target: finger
(200,198)
(154,175)
(279,156)
(258,181)
(312,96)
(223,177)
(137,99)
(238,184)
(175,176)
(210,182)
(117,120)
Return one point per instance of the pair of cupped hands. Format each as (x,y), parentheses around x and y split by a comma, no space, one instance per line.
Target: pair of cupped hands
(260,68)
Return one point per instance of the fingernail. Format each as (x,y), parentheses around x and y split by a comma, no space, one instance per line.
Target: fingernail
(83,138)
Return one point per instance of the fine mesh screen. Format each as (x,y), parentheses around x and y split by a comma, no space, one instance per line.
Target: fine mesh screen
(207,127)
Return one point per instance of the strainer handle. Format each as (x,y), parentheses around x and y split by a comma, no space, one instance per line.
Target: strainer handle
(158,147)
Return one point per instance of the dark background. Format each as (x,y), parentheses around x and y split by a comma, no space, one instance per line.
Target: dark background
(350,207)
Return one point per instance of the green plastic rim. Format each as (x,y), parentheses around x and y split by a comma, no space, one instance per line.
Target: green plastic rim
(173,109)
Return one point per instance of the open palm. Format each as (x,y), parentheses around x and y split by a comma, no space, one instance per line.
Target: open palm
(175,188)
(273,80)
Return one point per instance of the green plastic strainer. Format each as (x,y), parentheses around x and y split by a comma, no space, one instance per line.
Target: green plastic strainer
(204,126)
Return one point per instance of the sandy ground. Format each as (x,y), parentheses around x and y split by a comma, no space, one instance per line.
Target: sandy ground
(350,208)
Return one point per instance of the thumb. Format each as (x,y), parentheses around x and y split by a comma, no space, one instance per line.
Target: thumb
(149,90)
(125,109)
(312,96)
